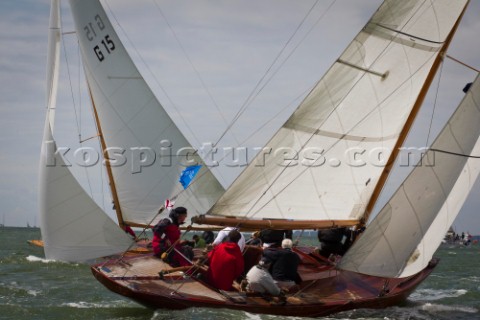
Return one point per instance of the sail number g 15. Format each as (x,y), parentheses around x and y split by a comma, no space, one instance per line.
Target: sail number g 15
(106,45)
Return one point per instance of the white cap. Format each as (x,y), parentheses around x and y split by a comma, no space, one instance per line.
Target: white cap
(287,243)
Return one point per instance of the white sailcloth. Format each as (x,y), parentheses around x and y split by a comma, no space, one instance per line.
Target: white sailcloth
(403,237)
(353,114)
(53,59)
(148,150)
(73,227)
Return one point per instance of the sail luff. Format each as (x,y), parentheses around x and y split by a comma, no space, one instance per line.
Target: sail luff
(409,123)
(111,179)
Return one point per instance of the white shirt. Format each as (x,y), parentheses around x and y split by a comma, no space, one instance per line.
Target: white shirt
(224,233)
(260,280)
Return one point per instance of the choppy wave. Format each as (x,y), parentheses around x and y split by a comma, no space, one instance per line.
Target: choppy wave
(32,287)
(474,279)
(15,290)
(436,294)
(97,305)
(32,258)
(38,259)
(431,307)
(33,293)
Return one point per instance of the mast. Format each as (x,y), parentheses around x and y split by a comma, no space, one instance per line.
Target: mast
(113,189)
(408,125)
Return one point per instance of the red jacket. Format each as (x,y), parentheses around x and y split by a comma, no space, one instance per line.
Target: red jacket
(172,234)
(226,264)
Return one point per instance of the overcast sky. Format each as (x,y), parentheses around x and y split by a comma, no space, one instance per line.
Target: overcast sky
(205,54)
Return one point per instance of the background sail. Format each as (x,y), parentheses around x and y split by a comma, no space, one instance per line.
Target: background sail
(357,109)
(73,227)
(132,119)
(53,59)
(403,237)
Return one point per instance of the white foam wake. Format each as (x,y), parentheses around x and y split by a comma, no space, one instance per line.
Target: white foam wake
(431,307)
(93,305)
(38,259)
(432,295)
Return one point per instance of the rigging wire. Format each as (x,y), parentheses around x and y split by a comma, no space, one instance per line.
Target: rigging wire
(434,106)
(252,96)
(71,88)
(173,104)
(455,153)
(177,39)
(78,113)
(77,122)
(112,14)
(249,99)
(463,63)
(245,106)
(326,151)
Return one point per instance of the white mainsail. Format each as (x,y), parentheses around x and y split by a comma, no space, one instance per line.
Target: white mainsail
(73,227)
(403,237)
(149,152)
(356,110)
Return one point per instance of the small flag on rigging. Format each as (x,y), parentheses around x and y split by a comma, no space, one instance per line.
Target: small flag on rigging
(169,205)
(188,174)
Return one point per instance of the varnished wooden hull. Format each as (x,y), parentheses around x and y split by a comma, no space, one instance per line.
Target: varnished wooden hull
(324,290)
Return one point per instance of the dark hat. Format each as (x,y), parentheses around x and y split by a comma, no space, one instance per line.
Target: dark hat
(176,212)
(234,236)
(180,210)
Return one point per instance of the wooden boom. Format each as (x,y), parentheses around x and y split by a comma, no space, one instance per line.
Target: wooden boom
(280,224)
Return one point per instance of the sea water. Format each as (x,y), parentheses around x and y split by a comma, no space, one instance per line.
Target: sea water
(32,287)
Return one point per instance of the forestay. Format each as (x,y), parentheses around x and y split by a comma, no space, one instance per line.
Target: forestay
(403,237)
(354,114)
(73,227)
(147,150)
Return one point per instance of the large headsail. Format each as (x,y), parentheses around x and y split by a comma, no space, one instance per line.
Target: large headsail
(73,227)
(403,237)
(148,151)
(353,115)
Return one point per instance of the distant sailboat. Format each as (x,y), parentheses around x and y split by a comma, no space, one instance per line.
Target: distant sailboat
(369,98)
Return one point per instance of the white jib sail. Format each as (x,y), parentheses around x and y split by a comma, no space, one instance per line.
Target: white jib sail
(323,162)
(73,227)
(148,150)
(403,237)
